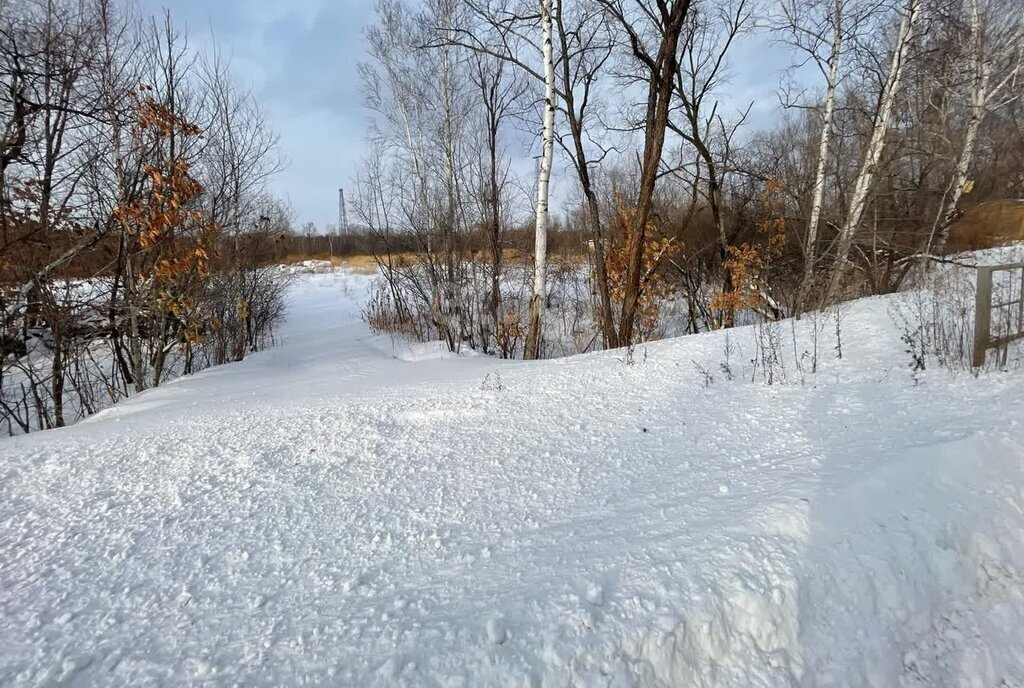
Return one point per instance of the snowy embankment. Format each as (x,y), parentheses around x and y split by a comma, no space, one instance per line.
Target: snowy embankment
(347,511)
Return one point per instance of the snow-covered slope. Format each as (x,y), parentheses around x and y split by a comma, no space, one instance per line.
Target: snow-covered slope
(348,511)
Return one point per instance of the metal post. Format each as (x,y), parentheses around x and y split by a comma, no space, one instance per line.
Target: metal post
(1020,306)
(982,315)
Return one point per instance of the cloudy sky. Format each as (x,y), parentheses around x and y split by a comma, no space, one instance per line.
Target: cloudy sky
(299,57)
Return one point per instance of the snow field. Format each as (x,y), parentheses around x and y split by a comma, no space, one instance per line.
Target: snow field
(348,510)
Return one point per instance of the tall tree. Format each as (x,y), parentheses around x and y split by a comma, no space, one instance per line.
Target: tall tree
(651,31)
(538,302)
(818,30)
(909,18)
(705,47)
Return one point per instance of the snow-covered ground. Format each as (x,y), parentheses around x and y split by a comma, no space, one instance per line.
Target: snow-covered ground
(349,511)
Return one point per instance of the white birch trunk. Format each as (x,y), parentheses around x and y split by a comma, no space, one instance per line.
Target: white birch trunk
(866,176)
(981,70)
(818,197)
(539,300)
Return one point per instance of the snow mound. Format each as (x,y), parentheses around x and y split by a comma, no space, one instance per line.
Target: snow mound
(311,266)
(337,512)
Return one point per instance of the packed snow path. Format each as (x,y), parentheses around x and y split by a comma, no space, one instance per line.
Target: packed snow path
(343,510)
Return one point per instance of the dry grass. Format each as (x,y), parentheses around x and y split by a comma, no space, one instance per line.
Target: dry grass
(367,265)
(364,265)
(295,258)
(996,223)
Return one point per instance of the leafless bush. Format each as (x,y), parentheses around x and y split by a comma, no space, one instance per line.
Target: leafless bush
(768,358)
(390,309)
(728,350)
(510,333)
(61,359)
(247,307)
(706,377)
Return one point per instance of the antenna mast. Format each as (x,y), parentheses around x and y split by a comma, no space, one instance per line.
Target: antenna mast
(342,216)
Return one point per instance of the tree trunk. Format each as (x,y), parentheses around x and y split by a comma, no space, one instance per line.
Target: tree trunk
(451,304)
(810,253)
(604,302)
(574,119)
(873,155)
(115,321)
(57,365)
(241,307)
(659,96)
(162,344)
(728,316)
(981,70)
(495,233)
(134,334)
(539,301)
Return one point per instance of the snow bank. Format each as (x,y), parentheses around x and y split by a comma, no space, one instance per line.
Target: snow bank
(338,512)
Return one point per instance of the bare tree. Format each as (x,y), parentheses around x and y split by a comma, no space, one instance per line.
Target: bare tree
(419,88)
(501,92)
(585,44)
(993,48)
(909,17)
(652,32)
(88,191)
(819,31)
(705,47)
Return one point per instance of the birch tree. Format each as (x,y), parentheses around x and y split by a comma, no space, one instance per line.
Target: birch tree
(583,44)
(818,31)
(909,18)
(538,302)
(419,90)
